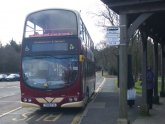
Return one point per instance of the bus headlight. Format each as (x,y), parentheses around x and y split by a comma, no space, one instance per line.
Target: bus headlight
(25,99)
(70,99)
(29,100)
(75,99)
(78,93)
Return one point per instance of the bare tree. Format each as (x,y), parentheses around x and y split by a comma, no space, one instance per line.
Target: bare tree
(106,16)
(107,58)
(110,17)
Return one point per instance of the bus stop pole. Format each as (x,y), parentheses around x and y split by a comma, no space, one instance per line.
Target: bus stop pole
(144,107)
(162,93)
(123,119)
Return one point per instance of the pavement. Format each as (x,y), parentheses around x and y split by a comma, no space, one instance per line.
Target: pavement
(104,108)
(157,115)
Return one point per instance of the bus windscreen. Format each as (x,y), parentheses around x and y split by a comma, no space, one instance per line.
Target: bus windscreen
(52,22)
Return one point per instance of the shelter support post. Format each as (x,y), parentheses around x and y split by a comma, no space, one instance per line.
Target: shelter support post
(162,93)
(144,107)
(137,22)
(156,96)
(123,117)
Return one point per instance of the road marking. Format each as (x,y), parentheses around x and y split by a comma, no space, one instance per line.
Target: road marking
(77,118)
(24,116)
(41,118)
(10,101)
(9,95)
(4,114)
(52,117)
(98,90)
(100,86)
(83,114)
(9,87)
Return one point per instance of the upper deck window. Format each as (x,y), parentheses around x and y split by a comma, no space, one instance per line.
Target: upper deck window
(54,22)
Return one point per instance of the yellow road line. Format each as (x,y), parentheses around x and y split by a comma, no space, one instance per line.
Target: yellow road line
(100,86)
(77,118)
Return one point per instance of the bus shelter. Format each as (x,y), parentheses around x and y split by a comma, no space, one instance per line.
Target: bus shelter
(147,16)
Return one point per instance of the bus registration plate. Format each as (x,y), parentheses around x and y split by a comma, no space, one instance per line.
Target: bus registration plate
(49,105)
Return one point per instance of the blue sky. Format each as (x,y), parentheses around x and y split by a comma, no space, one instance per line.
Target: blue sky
(13,13)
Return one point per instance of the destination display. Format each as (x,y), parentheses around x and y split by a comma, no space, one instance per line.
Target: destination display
(40,47)
(48,46)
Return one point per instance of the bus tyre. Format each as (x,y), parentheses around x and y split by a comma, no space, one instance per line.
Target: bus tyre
(94,87)
(87,94)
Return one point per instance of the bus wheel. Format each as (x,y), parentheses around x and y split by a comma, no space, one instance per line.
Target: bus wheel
(94,87)
(87,97)
(87,94)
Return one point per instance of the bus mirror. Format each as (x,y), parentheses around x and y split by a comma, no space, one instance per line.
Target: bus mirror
(81,58)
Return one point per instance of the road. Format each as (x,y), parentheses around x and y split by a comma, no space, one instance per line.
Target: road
(11,111)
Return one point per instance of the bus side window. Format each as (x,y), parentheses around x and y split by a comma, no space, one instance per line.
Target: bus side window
(81,29)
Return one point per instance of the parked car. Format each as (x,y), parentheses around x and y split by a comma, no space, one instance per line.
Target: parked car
(13,77)
(3,77)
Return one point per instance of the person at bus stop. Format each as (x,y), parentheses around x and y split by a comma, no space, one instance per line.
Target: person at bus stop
(150,86)
(131,94)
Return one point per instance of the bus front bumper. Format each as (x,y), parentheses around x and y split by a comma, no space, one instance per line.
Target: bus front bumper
(65,105)
(29,105)
(73,105)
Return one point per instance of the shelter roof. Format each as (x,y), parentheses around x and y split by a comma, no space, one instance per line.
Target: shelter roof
(154,25)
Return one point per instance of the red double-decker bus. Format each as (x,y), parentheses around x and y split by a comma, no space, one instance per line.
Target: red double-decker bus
(57,62)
